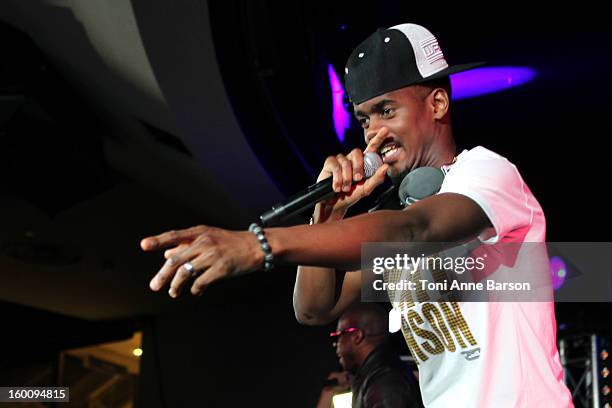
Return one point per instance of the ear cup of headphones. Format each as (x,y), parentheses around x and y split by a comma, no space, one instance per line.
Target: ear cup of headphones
(420,183)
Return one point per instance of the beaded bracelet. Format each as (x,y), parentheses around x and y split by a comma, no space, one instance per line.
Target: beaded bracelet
(265,247)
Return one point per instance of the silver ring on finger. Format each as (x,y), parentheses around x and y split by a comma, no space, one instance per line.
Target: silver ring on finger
(190,269)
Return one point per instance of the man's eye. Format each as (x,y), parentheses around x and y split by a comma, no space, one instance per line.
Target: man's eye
(387,111)
(364,122)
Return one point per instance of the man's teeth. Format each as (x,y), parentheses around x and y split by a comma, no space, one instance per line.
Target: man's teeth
(388,150)
(388,147)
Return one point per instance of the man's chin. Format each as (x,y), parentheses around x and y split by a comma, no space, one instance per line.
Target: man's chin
(343,364)
(397,169)
(396,176)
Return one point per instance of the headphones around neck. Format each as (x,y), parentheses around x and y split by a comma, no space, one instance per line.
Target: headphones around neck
(420,183)
(416,185)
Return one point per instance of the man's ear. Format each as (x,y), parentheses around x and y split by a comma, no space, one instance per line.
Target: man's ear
(359,337)
(440,103)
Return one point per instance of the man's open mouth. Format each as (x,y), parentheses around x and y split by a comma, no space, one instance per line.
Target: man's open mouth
(389,151)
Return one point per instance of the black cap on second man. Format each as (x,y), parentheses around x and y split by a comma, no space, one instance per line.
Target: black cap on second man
(393,58)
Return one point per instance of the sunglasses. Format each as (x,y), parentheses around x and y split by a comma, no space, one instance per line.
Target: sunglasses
(334,336)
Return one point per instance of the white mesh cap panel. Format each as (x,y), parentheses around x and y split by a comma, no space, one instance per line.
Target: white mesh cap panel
(427,52)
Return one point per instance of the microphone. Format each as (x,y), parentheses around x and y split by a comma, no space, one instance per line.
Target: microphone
(320,191)
(420,183)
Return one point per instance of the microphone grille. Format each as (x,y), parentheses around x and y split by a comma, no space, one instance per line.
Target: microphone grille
(371,163)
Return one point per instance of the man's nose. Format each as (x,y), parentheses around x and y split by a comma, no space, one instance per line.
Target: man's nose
(371,131)
(373,128)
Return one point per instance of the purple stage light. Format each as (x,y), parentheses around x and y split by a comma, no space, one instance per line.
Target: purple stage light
(342,118)
(558,271)
(482,81)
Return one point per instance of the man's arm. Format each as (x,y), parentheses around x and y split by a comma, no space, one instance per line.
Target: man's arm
(447,217)
(321,295)
(220,254)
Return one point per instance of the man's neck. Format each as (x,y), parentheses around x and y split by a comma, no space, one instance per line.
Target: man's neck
(444,149)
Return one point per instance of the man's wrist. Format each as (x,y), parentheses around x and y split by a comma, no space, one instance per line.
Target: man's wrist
(276,240)
(268,258)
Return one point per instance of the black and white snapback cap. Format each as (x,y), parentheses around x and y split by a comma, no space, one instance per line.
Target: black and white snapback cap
(393,58)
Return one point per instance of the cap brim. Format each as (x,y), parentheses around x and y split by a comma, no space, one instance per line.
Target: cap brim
(452,70)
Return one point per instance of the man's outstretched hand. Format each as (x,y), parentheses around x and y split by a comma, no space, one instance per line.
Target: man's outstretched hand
(214,254)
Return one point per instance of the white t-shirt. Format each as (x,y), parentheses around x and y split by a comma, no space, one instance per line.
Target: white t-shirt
(489,354)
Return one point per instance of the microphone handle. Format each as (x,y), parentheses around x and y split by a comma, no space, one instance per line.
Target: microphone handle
(299,202)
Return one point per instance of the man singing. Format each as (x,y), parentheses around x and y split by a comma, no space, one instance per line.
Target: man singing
(470,354)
